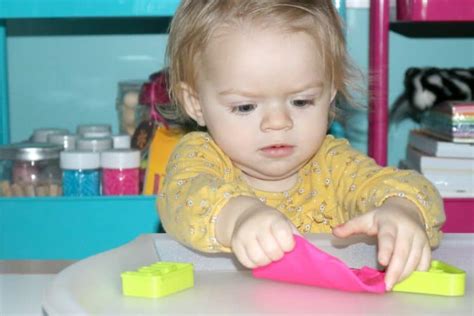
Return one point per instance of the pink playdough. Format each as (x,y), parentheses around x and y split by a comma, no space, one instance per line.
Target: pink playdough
(306,264)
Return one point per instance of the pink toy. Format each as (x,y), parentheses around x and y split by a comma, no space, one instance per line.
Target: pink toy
(306,264)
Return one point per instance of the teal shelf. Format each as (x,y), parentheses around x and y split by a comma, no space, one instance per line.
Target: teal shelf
(14,9)
(81,226)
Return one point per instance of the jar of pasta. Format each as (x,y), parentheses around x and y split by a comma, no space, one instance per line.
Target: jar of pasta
(33,170)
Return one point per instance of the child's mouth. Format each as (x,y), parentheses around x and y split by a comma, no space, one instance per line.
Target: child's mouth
(277,151)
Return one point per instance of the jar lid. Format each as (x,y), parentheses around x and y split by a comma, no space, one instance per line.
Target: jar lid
(30,151)
(79,159)
(121,141)
(84,128)
(94,144)
(67,141)
(96,134)
(40,135)
(120,159)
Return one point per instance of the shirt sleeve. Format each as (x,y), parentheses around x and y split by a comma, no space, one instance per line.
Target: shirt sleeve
(198,183)
(362,185)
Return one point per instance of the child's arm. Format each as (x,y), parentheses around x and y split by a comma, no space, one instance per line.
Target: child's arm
(258,234)
(401,207)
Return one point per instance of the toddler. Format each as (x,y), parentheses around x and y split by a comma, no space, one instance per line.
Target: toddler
(262,78)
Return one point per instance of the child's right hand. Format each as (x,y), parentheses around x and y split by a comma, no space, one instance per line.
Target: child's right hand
(259,234)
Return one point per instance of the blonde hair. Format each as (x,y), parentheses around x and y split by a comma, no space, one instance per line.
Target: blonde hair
(196,21)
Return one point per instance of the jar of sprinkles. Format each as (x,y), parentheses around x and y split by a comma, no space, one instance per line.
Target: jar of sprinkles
(120,172)
(81,175)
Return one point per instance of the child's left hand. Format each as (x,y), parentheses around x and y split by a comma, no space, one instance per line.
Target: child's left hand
(402,241)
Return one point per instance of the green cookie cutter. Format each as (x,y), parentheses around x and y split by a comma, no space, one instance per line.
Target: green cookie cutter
(440,279)
(157,280)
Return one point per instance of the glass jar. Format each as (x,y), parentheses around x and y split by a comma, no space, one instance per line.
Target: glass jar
(94,128)
(96,144)
(33,170)
(40,135)
(121,141)
(68,142)
(130,112)
(81,175)
(120,172)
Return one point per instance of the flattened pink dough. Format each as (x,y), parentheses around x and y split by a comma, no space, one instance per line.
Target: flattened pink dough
(306,264)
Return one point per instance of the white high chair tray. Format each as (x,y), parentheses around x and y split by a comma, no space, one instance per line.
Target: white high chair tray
(222,286)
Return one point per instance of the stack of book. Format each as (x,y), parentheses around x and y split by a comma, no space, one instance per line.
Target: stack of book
(451,120)
(443,149)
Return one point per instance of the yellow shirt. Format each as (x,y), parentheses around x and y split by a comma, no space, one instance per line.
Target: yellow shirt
(337,184)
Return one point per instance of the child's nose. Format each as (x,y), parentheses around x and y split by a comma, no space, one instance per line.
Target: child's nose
(276,118)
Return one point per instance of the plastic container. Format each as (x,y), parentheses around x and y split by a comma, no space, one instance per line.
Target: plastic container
(30,169)
(81,173)
(92,128)
(40,135)
(96,134)
(68,142)
(96,144)
(120,172)
(121,141)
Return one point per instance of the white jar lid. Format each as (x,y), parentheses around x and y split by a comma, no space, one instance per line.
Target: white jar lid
(121,141)
(94,144)
(84,128)
(40,135)
(120,159)
(96,134)
(77,159)
(67,141)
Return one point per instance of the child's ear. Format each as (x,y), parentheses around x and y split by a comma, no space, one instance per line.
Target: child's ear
(191,104)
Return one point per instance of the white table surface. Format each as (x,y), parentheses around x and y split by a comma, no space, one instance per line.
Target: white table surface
(21,294)
(23,283)
(86,287)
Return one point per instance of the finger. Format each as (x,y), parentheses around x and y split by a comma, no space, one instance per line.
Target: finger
(413,259)
(241,254)
(425,261)
(397,262)
(270,247)
(283,233)
(256,255)
(360,225)
(386,244)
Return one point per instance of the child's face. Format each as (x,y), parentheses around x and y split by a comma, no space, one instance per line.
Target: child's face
(263,97)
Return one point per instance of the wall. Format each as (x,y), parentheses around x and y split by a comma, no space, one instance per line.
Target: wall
(68,77)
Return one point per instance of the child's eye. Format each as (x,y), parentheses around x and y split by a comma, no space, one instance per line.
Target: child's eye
(244,108)
(302,102)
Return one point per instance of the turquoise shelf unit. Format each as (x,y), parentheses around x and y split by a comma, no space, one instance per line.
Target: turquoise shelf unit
(70,228)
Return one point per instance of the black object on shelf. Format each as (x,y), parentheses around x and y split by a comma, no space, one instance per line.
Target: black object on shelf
(434,29)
